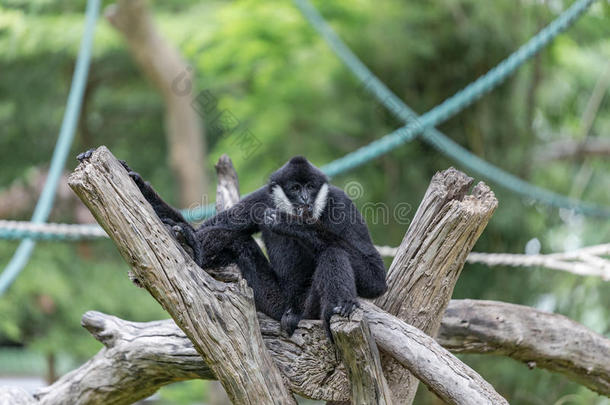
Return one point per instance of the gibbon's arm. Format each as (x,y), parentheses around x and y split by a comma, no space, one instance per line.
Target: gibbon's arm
(368,266)
(245,217)
(163,210)
(314,236)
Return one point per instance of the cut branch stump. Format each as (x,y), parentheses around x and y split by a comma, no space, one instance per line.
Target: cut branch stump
(361,359)
(430,258)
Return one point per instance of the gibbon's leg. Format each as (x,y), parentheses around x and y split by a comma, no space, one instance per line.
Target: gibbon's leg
(335,285)
(257,271)
(370,275)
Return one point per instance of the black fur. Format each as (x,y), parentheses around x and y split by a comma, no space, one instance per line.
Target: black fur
(317,266)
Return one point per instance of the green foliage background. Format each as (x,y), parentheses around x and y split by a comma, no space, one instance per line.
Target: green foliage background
(270,70)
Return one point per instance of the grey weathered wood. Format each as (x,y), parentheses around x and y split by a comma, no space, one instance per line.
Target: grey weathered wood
(141,357)
(450,379)
(430,258)
(539,339)
(361,359)
(137,359)
(227,191)
(15,396)
(218,317)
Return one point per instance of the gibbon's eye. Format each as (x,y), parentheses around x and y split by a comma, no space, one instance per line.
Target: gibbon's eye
(295,187)
(310,186)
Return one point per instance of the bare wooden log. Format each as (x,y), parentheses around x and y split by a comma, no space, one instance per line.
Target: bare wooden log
(141,357)
(218,317)
(539,339)
(15,396)
(137,359)
(361,358)
(450,379)
(430,258)
(162,64)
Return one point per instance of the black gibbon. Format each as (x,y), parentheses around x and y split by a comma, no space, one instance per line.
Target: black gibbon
(321,257)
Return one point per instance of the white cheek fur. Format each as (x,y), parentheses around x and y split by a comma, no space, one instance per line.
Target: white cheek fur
(320,202)
(282,203)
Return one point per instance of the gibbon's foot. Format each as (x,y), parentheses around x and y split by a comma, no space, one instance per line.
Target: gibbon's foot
(179,233)
(185,237)
(346,307)
(85,155)
(290,321)
(343,308)
(135,176)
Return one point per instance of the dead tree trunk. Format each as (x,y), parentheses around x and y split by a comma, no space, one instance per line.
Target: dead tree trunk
(430,258)
(166,69)
(218,317)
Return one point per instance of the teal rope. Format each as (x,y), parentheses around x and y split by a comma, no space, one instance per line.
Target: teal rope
(17,234)
(199,213)
(62,148)
(425,124)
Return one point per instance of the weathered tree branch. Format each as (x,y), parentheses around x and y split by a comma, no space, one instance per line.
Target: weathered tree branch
(539,339)
(218,317)
(430,258)
(361,359)
(446,376)
(163,65)
(138,359)
(16,396)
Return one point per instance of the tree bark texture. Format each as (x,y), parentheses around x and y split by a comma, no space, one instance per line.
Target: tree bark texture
(139,358)
(360,356)
(430,258)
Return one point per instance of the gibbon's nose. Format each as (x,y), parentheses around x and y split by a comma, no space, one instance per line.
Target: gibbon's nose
(305,198)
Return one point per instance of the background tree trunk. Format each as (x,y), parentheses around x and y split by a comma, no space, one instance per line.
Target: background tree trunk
(166,69)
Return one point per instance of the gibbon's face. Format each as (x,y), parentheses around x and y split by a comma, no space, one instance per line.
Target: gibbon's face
(299,188)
